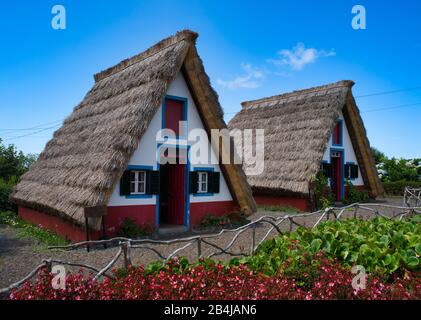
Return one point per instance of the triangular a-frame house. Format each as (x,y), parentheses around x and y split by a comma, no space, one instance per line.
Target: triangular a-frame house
(307,131)
(104,155)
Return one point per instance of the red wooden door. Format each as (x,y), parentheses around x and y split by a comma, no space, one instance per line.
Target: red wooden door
(336,161)
(176,193)
(173,115)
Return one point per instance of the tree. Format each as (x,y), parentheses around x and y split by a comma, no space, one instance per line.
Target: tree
(13,164)
(378,155)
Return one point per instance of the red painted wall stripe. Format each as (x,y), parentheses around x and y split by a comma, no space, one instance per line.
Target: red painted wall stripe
(59,226)
(198,210)
(142,215)
(298,203)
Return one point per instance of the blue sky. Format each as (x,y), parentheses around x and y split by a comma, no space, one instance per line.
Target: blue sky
(251,49)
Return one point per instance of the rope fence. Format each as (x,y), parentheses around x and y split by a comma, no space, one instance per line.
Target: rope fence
(266,225)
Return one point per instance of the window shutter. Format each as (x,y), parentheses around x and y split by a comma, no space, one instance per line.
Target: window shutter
(347,173)
(152,182)
(125,183)
(327,169)
(354,171)
(193,182)
(213,182)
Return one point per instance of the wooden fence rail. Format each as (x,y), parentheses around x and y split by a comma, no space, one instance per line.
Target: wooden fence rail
(274,224)
(412,197)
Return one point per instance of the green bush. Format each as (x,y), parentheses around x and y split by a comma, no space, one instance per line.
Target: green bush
(399,169)
(380,245)
(6,187)
(397,188)
(129,229)
(234,218)
(353,195)
(212,220)
(12,165)
(323,194)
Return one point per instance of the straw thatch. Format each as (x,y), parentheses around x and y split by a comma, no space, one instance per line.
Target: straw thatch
(297,129)
(86,157)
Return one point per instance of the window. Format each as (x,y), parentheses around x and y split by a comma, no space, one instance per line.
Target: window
(351,171)
(202,180)
(137,182)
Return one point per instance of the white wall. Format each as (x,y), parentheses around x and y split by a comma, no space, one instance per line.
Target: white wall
(348,150)
(146,154)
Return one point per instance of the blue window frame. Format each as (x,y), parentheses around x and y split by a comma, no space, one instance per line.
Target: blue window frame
(140,195)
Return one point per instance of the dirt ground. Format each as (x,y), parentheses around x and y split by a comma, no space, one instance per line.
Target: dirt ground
(20,256)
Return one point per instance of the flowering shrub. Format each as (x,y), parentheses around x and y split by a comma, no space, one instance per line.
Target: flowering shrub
(394,169)
(216,281)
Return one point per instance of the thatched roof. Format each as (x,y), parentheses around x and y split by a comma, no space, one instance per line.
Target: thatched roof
(86,157)
(297,129)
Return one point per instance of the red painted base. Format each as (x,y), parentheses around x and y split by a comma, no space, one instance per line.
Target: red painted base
(59,226)
(268,200)
(142,215)
(198,210)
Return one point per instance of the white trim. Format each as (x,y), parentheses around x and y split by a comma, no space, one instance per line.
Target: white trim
(138,182)
(202,180)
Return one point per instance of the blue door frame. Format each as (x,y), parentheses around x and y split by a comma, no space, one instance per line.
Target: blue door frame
(342,182)
(186,188)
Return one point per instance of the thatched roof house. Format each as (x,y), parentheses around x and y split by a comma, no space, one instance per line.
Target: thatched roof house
(82,164)
(299,136)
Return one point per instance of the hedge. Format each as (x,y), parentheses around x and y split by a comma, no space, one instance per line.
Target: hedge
(397,188)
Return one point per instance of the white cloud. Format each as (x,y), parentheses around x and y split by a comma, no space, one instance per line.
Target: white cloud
(250,80)
(299,56)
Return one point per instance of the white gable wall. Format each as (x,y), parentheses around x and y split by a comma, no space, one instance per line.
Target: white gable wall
(348,150)
(179,88)
(146,153)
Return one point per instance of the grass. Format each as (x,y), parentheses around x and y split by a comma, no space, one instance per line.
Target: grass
(278,208)
(27,230)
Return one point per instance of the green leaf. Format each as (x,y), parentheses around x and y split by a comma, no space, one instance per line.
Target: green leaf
(384,239)
(326,247)
(387,259)
(315,245)
(413,262)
